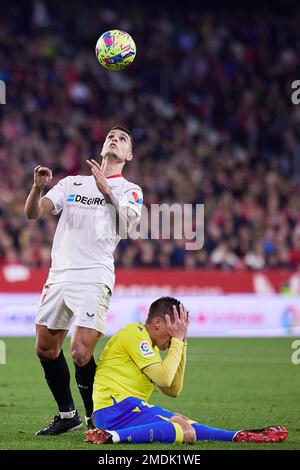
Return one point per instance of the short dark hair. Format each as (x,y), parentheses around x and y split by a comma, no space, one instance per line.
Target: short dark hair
(124,129)
(162,307)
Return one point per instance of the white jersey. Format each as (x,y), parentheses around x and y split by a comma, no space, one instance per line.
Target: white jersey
(85,238)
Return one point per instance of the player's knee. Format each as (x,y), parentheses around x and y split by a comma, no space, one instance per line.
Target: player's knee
(47,354)
(189,433)
(80,355)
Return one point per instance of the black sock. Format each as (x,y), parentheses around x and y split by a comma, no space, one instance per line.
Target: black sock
(58,378)
(85,379)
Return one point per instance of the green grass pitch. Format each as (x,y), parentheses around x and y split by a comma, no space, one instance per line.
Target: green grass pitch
(229,383)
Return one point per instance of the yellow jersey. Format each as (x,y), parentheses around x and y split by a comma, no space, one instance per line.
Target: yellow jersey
(118,374)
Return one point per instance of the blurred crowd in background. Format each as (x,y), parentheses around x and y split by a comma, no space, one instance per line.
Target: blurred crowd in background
(208,100)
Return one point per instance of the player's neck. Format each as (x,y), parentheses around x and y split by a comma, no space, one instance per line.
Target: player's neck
(111,169)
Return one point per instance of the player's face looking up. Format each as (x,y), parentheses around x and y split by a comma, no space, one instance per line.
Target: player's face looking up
(117,146)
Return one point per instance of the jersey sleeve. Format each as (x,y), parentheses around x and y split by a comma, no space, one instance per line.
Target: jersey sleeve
(133,198)
(141,351)
(57,195)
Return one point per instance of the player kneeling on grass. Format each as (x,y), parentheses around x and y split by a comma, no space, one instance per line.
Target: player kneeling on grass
(128,370)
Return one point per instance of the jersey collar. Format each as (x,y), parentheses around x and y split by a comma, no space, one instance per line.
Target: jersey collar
(118,175)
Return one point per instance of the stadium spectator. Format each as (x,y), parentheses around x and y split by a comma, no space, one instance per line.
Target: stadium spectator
(208,101)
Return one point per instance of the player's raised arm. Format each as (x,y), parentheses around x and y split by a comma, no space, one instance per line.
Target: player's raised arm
(122,217)
(176,386)
(35,205)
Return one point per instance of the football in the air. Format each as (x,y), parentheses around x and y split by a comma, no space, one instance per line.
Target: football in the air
(115,49)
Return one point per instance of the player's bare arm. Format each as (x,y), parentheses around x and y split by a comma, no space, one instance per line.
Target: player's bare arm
(123,216)
(100,179)
(35,205)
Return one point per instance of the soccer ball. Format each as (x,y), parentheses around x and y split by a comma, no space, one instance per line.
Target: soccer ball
(115,49)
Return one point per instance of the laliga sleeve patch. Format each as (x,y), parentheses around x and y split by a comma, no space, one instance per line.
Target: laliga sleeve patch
(146,349)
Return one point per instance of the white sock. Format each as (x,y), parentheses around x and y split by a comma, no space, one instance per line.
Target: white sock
(235,435)
(67,414)
(115,436)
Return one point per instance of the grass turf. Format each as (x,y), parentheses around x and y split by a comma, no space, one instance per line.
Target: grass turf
(229,383)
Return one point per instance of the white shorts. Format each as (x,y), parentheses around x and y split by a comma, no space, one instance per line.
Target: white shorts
(60,302)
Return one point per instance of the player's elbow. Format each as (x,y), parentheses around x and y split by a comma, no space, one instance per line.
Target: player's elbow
(169,392)
(32,213)
(29,215)
(173,392)
(164,382)
(160,375)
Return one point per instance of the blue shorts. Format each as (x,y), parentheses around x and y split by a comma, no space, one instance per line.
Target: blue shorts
(129,412)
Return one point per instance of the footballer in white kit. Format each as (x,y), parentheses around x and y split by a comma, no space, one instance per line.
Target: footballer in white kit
(94,211)
(81,277)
